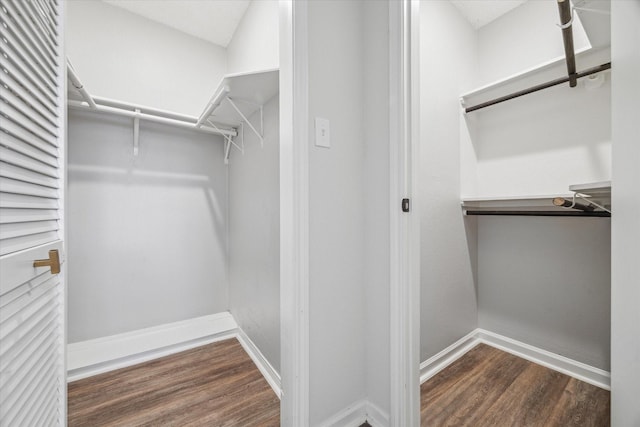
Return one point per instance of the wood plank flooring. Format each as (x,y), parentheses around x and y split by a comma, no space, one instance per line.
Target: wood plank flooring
(213,385)
(489,387)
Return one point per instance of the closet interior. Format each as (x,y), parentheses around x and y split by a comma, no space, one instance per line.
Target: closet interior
(515,183)
(173,181)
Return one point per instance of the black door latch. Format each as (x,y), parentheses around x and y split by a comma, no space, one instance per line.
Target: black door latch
(405,205)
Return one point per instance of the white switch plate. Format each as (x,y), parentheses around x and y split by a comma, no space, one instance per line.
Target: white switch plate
(323,133)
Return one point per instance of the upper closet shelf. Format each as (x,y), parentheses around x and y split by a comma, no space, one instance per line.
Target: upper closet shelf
(79,98)
(584,200)
(595,58)
(248,92)
(237,98)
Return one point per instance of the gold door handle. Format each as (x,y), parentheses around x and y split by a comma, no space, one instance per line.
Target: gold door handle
(53,262)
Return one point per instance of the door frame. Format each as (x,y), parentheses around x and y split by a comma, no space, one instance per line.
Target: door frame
(404,125)
(294,214)
(404,285)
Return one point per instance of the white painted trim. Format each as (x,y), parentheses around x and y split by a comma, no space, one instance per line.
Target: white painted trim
(100,355)
(375,416)
(446,357)
(63,229)
(353,415)
(294,214)
(573,368)
(404,227)
(266,369)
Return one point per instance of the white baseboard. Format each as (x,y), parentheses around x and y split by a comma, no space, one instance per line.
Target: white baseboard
(353,415)
(376,417)
(267,370)
(100,355)
(573,368)
(446,357)
(357,414)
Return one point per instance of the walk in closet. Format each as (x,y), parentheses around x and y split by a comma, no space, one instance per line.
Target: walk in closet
(173,181)
(515,183)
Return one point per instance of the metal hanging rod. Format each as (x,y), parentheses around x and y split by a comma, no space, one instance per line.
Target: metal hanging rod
(566,24)
(137,112)
(150,118)
(587,72)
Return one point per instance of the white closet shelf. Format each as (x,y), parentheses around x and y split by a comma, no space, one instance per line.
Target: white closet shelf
(597,196)
(237,98)
(79,98)
(587,58)
(597,190)
(247,91)
(515,78)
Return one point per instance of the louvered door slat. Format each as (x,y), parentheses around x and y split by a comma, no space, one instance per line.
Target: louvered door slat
(27,123)
(25,136)
(10,231)
(27,296)
(18,173)
(29,98)
(18,187)
(42,411)
(8,296)
(33,386)
(40,351)
(44,14)
(20,33)
(21,414)
(8,216)
(28,111)
(42,358)
(38,32)
(18,146)
(25,64)
(22,201)
(26,79)
(20,334)
(27,162)
(26,242)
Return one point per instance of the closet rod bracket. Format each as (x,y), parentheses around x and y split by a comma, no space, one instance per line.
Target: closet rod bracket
(246,120)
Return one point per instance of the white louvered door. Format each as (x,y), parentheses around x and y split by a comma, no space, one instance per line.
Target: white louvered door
(32,341)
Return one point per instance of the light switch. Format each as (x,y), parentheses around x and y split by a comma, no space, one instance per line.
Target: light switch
(323,133)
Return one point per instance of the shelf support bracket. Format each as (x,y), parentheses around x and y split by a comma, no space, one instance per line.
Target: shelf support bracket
(235,107)
(228,142)
(136,132)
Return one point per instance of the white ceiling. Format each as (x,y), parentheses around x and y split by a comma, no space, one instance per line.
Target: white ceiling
(211,20)
(481,12)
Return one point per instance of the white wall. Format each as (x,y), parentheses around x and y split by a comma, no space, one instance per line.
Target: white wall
(376,202)
(255,43)
(544,142)
(448,293)
(254,230)
(546,282)
(336,213)
(147,234)
(625,226)
(123,56)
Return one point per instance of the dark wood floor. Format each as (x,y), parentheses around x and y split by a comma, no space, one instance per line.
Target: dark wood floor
(213,385)
(488,387)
